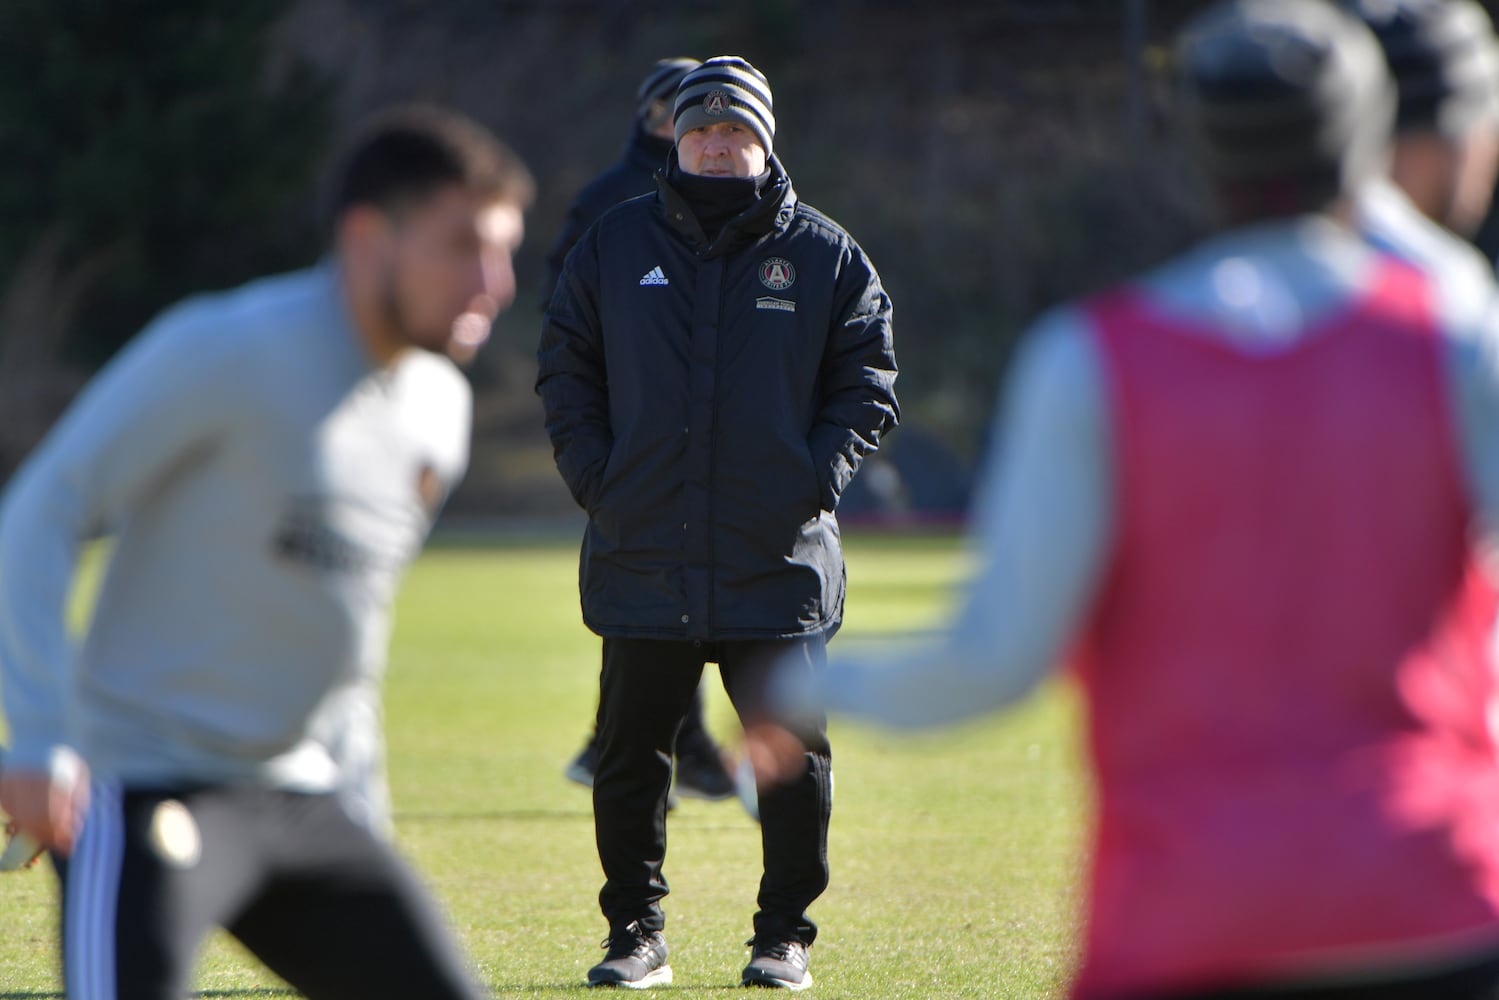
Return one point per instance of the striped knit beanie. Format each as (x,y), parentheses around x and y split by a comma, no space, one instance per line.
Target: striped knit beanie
(726,88)
(661,83)
(1444,58)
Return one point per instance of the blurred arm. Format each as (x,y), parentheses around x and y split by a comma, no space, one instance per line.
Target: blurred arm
(1040,527)
(1474,370)
(140,421)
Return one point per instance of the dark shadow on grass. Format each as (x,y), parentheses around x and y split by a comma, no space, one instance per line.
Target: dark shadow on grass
(498,991)
(516,815)
(581,988)
(260,992)
(699,822)
(263,991)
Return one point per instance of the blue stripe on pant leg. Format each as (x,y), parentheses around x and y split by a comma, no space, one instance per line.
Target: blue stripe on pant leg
(93,887)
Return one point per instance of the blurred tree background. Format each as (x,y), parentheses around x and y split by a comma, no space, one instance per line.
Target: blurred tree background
(993,156)
(146,151)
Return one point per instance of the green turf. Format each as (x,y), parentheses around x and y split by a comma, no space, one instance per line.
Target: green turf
(954,855)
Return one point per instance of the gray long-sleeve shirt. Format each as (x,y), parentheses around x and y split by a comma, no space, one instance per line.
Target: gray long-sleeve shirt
(1042,524)
(264,486)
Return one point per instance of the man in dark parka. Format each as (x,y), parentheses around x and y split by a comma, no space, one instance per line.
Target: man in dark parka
(715,364)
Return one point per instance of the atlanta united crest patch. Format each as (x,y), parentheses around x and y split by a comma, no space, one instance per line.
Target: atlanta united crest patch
(777,274)
(716,102)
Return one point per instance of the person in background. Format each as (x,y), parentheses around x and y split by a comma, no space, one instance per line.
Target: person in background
(634,173)
(1445,154)
(701,770)
(1240,496)
(715,365)
(267,461)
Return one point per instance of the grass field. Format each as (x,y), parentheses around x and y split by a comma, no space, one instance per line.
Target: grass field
(954,855)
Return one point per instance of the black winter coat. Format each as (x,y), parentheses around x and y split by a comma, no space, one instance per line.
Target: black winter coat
(632,176)
(707,405)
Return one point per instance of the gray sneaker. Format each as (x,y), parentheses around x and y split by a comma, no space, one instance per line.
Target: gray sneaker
(636,959)
(703,776)
(777,962)
(583,766)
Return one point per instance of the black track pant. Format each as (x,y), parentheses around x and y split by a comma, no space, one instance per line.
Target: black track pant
(646,687)
(319,899)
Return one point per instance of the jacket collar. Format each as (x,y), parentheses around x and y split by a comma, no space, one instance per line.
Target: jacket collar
(772,213)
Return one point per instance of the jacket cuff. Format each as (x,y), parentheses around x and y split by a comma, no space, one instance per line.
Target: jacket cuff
(839,474)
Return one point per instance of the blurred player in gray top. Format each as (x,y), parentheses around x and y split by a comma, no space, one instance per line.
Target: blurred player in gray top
(267,461)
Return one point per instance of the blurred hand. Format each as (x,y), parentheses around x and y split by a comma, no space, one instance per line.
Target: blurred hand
(49,811)
(776,753)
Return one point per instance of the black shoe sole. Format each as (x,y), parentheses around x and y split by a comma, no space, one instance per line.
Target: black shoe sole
(767,981)
(777,984)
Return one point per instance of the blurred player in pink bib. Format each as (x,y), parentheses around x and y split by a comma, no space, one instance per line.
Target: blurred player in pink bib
(1240,495)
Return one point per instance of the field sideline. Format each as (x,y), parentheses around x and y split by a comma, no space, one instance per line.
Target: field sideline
(954,855)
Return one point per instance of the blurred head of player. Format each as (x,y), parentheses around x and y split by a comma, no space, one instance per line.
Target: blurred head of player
(1287,103)
(656,95)
(725,120)
(1443,56)
(427,215)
